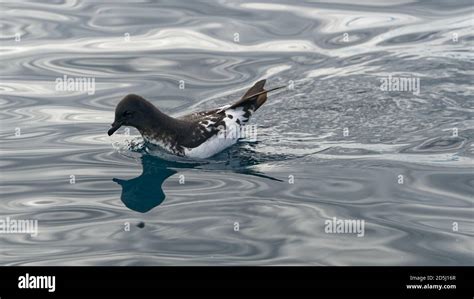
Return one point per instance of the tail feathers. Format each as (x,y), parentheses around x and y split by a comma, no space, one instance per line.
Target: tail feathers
(256,96)
(257,87)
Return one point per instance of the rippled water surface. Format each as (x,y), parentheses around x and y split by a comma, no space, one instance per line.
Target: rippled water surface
(332,145)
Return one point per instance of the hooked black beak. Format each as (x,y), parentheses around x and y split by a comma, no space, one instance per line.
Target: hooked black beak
(118,181)
(115,126)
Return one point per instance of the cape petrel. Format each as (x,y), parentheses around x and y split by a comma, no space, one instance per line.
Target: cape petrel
(196,135)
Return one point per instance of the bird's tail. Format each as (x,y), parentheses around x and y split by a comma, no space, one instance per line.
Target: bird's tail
(255,96)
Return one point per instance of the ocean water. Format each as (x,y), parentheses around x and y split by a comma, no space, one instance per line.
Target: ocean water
(338,142)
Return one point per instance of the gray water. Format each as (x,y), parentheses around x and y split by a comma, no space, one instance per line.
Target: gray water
(333,144)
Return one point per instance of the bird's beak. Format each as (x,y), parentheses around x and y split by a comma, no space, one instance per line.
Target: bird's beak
(115,126)
(118,181)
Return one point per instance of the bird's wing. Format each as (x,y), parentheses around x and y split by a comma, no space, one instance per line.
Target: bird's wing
(196,116)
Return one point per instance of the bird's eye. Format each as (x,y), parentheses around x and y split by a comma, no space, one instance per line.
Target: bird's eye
(127,113)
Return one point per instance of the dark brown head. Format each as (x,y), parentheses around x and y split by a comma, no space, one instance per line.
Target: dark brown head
(134,111)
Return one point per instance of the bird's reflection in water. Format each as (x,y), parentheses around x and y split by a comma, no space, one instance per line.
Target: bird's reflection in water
(143,193)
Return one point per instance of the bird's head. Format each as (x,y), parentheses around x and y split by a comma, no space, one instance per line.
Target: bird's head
(133,110)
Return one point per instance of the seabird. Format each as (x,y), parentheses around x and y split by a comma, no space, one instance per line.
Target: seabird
(196,135)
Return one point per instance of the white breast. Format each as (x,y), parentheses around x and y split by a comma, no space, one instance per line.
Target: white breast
(160,143)
(223,139)
(210,147)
